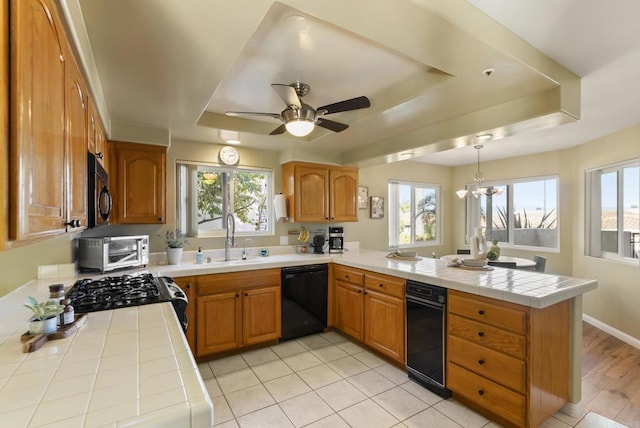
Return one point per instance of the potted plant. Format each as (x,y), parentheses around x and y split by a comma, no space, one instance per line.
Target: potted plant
(44,320)
(175,240)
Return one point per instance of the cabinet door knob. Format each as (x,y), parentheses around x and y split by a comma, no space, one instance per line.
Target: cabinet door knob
(480,392)
(237,295)
(481,333)
(246,294)
(73,223)
(481,362)
(188,286)
(481,312)
(359,291)
(380,285)
(346,277)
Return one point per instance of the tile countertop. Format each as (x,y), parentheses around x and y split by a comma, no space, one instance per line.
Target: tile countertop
(123,367)
(132,366)
(525,287)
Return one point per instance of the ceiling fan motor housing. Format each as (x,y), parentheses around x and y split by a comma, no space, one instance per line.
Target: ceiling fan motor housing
(303,113)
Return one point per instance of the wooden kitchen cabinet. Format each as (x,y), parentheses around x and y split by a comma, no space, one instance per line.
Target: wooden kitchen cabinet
(38,82)
(139,183)
(187,285)
(96,136)
(76,108)
(508,361)
(48,190)
(350,309)
(237,309)
(370,307)
(219,324)
(385,313)
(320,193)
(4,123)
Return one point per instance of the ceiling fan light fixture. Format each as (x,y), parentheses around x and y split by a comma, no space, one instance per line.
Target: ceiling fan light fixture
(299,122)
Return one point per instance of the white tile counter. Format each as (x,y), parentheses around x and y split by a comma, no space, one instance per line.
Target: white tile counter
(133,367)
(124,367)
(524,287)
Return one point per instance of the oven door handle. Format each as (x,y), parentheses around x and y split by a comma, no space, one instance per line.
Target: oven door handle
(425,302)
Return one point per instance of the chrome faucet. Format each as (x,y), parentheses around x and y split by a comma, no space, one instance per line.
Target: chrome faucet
(245,253)
(229,241)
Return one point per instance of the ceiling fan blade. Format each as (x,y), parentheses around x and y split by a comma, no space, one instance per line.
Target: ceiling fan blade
(288,94)
(346,105)
(250,113)
(331,125)
(279,130)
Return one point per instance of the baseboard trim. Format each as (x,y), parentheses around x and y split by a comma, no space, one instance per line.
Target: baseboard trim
(612,331)
(575,410)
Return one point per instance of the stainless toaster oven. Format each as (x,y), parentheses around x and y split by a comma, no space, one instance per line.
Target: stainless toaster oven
(112,252)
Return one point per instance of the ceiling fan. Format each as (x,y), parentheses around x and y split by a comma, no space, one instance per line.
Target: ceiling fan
(299,118)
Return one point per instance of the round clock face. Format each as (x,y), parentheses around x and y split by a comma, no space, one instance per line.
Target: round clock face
(229,155)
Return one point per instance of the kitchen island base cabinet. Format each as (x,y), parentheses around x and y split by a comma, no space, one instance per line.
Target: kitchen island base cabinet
(236,310)
(508,361)
(370,307)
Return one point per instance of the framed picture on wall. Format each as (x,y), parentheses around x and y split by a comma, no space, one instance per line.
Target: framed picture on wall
(377,207)
(363,198)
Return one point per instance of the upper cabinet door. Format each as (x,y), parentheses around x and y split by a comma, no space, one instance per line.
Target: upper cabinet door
(312,191)
(37,114)
(343,198)
(139,183)
(76,150)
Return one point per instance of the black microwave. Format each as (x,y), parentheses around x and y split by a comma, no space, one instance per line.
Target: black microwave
(99,206)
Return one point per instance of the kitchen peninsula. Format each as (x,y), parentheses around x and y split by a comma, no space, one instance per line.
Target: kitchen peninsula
(133,366)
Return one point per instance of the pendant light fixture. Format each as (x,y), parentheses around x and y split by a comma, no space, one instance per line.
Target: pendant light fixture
(479,188)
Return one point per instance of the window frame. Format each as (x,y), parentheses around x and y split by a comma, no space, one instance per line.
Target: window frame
(394,223)
(593,199)
(189,224)
(473,211)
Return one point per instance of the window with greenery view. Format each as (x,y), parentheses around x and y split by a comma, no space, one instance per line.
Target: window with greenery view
(523,214)
(413,214)
(613,197)
(207,193)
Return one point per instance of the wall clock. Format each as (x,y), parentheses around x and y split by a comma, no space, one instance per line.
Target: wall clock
(229,155)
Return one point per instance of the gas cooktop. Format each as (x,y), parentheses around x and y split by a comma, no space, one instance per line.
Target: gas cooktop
(113,292)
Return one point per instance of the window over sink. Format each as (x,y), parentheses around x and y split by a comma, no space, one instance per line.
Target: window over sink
(206,193)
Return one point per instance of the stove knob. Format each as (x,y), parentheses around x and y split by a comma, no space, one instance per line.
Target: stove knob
(179,294)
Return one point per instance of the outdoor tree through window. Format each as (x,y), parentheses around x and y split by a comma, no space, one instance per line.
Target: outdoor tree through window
(413,214)
(207,193)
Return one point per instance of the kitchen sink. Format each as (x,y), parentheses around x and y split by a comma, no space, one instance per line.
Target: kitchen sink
(239,261)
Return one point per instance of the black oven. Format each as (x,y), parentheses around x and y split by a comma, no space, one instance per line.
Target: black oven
(99,203)
(426,335)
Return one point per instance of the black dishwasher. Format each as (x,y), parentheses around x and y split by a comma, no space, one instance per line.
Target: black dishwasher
(426,333)
(304,300)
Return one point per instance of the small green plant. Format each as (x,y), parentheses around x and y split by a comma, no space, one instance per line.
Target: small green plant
(43,310)
(175,239)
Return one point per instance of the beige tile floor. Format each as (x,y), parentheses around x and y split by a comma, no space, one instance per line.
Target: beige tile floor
(325,380)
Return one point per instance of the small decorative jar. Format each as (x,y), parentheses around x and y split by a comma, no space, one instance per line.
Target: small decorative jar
(495,248)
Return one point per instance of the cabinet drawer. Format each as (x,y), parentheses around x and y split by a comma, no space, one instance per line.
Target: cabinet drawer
(503,369)
(218,282)
(384,284)
(487,335)
(348,274)
(495,398)
(502,314)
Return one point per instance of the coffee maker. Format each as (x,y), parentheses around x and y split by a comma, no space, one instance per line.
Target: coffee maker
(318,244)
(336,240)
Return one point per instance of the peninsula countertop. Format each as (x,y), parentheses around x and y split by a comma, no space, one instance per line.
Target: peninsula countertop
(529,288)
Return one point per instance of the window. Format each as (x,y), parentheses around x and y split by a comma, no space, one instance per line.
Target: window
(207,193)
(613,218)
(413,214)
(522,213)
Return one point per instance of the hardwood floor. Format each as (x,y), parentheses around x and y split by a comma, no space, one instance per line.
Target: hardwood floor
(610,376)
